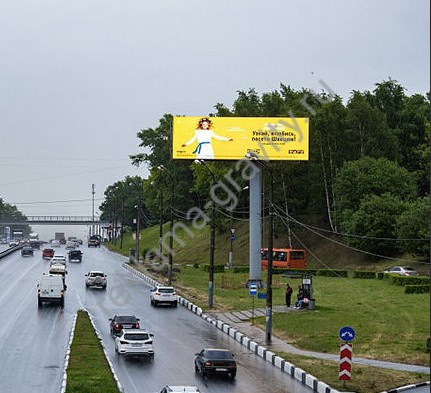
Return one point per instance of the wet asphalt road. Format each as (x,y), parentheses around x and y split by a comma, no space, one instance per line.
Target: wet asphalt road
(34,341)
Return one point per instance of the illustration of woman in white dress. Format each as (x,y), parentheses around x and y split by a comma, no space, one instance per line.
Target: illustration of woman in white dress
(203,135)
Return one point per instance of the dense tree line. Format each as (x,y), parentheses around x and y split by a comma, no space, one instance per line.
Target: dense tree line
(10,212)
(367,175)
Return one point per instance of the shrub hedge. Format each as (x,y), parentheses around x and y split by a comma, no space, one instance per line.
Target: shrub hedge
(363,274)
(408,280)
(423,288)
(217,268)
(331,273)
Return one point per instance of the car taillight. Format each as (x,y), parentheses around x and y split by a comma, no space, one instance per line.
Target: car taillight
(157,293)
(38,292)
(136,326)
(117,326)
(62,292)
(148,342)
(208,364)
(124,342)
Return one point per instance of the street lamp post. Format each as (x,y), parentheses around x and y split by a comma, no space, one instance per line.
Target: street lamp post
(171,225)
(268,322)
(212,240)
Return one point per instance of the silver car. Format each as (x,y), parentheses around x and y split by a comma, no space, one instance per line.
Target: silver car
(402,271)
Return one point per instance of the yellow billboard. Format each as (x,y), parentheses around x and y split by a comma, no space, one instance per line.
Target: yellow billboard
(231,138)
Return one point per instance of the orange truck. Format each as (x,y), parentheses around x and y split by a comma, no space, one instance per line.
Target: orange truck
(284,258)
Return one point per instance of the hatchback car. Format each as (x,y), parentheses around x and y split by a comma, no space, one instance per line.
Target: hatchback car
(96,279)
(93,243)
(402,271)
(180,389)
(134,342)
(120,322)
(212,360)
(163,295)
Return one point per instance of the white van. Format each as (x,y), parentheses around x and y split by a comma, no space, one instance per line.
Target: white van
(50,289)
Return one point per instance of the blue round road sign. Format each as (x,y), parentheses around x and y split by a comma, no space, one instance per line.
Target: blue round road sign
(347,333)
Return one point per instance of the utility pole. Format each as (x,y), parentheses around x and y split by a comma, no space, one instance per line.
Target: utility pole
(268,327)
(138,228)
(160,226)
(232,231)
(92,219)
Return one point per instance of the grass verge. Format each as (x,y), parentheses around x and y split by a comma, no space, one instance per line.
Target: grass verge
(389,324)
(88,370)
(365,379)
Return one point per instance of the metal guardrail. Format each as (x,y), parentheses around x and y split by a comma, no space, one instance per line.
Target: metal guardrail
(60,220)
(10,250)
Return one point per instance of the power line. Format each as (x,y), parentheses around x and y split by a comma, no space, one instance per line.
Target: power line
(345,234)
(47,202)
(354,248)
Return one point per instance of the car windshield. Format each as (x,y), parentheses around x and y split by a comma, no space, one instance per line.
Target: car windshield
(166,290)
(137,336)
(214,354)
(409,268)
(125,319)
(97,275)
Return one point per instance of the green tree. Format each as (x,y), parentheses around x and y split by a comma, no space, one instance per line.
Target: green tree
(413,223)
(375,218)
(371,176)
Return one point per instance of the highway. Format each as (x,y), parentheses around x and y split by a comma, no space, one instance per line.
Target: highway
(34,341)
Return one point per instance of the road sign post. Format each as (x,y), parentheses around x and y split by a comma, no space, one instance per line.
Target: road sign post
(253,293)
(346,334)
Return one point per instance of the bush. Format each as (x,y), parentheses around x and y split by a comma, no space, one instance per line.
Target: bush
(217,268)
(331,273)
(241,269)
(363,274)
(196,265)
(380,275)
(408,280)
(424,288)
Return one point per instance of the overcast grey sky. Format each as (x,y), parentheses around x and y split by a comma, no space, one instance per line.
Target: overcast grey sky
(78,79)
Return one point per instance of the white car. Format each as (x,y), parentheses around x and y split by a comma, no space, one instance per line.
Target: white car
(55,243)
(70,245)
(180,389)
(58,258)
(96,279)
(134,342)
(163,295)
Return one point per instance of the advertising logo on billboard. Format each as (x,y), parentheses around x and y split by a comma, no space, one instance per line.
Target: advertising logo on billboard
(231,138)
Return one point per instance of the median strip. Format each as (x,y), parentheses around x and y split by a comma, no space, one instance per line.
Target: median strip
(88,366)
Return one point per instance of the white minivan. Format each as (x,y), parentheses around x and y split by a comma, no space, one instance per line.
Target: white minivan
(50,289)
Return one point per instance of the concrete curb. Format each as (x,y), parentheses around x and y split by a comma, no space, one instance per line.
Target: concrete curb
(277,361)
(66,360)
(120,388)
(407,387)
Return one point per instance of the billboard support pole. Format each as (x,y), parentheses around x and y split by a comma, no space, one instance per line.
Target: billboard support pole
(255,228)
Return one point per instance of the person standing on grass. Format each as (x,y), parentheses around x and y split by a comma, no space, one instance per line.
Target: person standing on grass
(289,291)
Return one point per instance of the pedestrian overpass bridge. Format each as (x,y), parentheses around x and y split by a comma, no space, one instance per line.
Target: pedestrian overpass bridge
(57,220)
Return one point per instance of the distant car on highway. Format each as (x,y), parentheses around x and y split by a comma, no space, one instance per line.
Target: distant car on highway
(402,270)
(58,258)
(180,389)
(13,243)
(93,243)
(96,279)
(47,253)
(163,295)
(134,342)
(55,243)
(215,361)
(70,245)
(27,251)
(120,322)
(75,256)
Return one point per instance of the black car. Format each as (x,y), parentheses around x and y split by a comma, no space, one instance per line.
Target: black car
(75,256)
(27,251)
(119,322)
(93,243)
(211,360)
